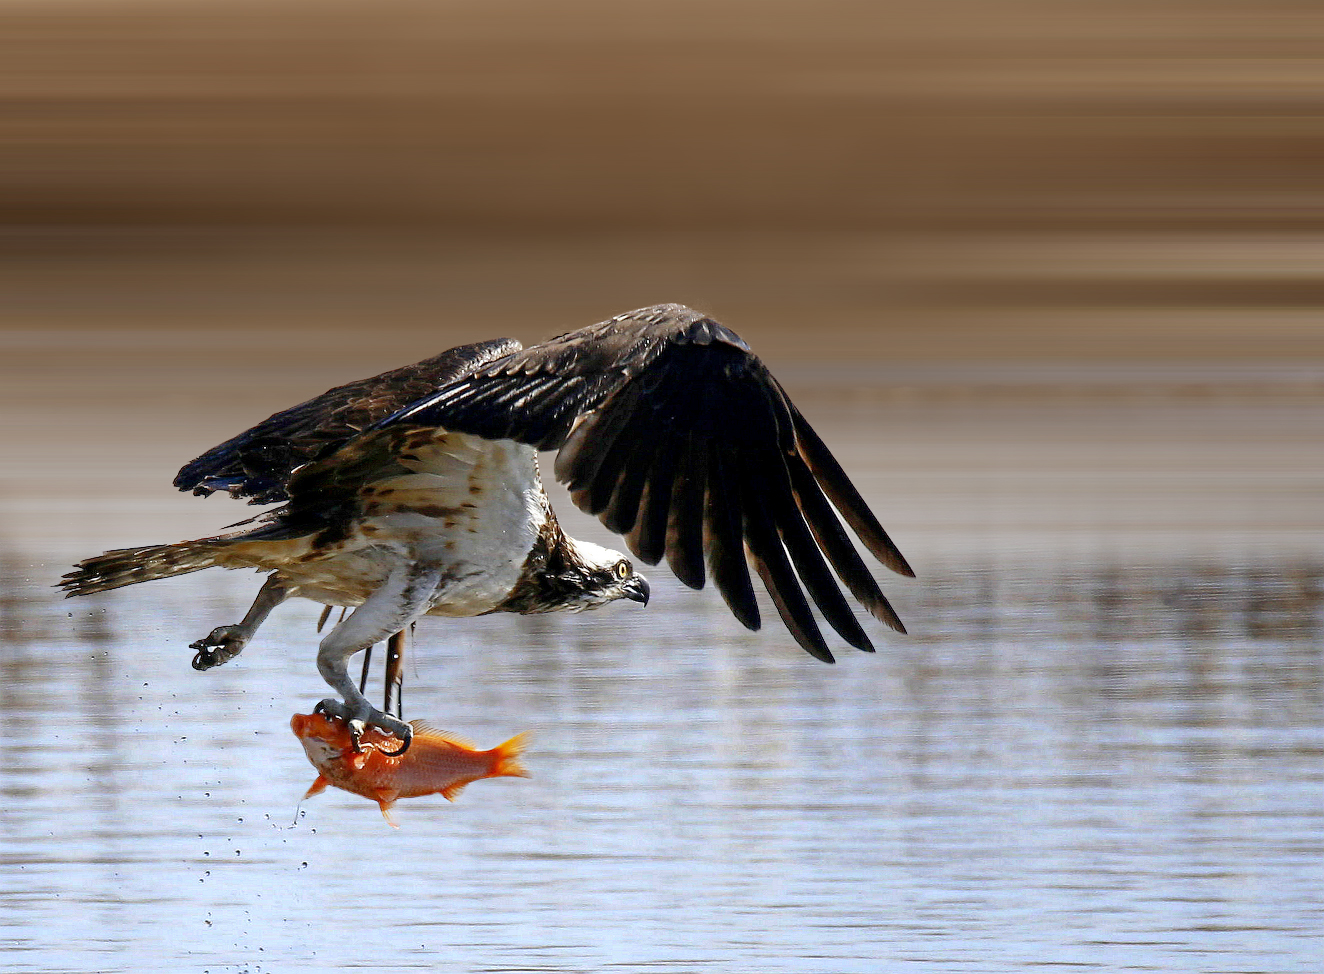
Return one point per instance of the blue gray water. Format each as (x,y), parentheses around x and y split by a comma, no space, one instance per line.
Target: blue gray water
(1100,748)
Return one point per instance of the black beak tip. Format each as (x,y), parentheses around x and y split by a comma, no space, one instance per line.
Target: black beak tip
(637,589)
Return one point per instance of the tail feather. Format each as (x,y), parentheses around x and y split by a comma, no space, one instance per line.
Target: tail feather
(128,566)
(507,756)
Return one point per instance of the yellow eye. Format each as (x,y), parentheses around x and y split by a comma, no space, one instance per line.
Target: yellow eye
(622,569)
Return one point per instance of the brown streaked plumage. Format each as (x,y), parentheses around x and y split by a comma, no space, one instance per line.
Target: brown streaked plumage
(258,462)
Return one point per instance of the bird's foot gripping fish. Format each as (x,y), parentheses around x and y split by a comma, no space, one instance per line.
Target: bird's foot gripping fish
(436,761)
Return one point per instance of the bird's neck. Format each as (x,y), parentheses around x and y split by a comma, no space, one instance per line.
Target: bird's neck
(550,575)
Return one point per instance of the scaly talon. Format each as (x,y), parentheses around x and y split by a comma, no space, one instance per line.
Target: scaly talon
(359,722)
(331,706)
(405,739)
(223,644)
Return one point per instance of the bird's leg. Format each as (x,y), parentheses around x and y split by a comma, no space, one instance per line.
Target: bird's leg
(393,702)
(404,597)
(225,642)
(363,676)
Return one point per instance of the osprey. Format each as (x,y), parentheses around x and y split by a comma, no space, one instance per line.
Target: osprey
(417,492)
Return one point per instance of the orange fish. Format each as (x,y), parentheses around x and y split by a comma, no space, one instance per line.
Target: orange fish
(436,761)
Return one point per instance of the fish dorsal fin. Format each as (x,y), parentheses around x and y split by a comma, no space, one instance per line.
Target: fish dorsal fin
(425,731)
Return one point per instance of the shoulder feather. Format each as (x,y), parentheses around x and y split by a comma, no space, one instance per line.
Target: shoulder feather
(258,462)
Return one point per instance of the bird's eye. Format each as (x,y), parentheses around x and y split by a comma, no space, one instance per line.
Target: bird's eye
(622,569)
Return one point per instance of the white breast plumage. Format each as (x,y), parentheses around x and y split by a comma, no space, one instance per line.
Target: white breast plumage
(473,507)
(468,506)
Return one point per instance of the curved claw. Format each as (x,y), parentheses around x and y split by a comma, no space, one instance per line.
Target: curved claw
(371,717)
(223,644)
(404,744)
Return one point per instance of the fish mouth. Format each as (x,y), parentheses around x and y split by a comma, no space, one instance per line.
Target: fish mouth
(308,725)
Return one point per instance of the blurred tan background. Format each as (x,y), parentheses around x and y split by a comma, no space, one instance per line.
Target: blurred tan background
(215,208)
(600,114)
(960,178)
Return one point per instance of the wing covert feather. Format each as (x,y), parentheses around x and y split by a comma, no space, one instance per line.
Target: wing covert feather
(258,462)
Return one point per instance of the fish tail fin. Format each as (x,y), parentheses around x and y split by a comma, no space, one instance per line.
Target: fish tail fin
(128,566)
(506,757)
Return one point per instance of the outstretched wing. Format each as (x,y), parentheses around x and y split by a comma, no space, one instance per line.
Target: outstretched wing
(257,463)
(677,437)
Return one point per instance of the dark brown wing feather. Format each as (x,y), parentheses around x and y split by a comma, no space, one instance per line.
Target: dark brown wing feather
(257,463)
(672,432)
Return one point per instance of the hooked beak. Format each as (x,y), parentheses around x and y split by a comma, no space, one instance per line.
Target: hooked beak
(636,589)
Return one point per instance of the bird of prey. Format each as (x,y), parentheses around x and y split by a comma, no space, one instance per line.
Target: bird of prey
(417,492)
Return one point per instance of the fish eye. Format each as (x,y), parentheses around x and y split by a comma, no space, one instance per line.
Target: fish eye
(622,569)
